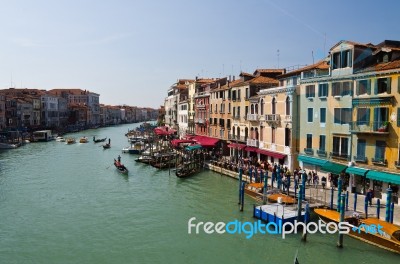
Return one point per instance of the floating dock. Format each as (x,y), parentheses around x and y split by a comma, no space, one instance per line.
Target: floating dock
(278,213)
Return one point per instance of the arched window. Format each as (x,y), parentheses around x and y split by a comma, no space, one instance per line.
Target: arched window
(256,108)
(252,109)
(273,105)
(262,107)
(287,105)
(238,132)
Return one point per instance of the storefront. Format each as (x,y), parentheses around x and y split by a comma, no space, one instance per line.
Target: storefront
(312,164)
(380,181)
(358,180)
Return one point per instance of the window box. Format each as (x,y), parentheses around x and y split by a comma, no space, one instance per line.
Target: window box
(379,161)
(360,159)
(321,153)
(309,151)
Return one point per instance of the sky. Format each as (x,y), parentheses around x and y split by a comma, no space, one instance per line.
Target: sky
(131,52)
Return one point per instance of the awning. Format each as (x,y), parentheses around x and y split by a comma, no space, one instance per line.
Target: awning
(164,131)
(176,142)
(384,176)
(206,142)
(357,171)
(333,167)
(236,146)
(271,153)
(251,149)
(311,160)
(193,147)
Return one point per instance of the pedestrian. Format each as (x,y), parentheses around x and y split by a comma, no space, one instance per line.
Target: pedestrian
(323,181)
(370,195)
(315,180)
(309,178)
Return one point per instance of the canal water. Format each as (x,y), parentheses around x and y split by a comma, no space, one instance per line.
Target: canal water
(67,204)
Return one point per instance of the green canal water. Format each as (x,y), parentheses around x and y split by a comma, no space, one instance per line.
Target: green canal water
(67,204)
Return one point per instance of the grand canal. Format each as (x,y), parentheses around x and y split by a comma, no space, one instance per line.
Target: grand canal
(67,204)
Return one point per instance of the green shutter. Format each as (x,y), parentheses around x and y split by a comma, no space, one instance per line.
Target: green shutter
(376,87)
(398,116)
(369,87)
(367,115)
(350,58)
(389,85)
(398,84)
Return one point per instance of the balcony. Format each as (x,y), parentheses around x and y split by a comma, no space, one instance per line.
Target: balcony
(236,138)
(199,120)
(379,161)
(339,156)
(287,119)
(200,106)
(377,127)
(360,158)
(236,117)
(309,151)
(253,117)
(322,153)
(273,119)
(252,142)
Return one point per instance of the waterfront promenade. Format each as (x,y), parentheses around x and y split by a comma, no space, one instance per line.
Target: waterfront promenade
(322,196)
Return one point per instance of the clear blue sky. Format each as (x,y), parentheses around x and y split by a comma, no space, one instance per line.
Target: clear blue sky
(132,51)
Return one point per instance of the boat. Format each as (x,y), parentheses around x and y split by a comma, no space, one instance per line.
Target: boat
(187,169)
(281,198)
(370,230)
(70,140)
(9,145)
(163,160)
(83,140)
(99,140)
(42,136)
(60,139)
(120,167)
(147,159)
(107,146)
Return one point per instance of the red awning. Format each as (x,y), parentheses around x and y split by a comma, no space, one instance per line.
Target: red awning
(163,131)
(251,149)
(176,142)
(206,142)
(236,146)
(271,153)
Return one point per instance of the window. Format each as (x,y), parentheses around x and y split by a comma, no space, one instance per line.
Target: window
(363,87)
(287,106)
(340,147)
(273,106)
(310,115)
(234,112)
(229,107)
(262,107)
(342,88)
(381,115)
(322,139)
(342,115)
(310,91)
(322,118)
(342,59)
(238,93)
(380,151)
(247,93)
(382,85)
(273,131)
(246,110)
(287,136)
(309,141)
(363,116)
(361,146)
(398,116)
(323,90)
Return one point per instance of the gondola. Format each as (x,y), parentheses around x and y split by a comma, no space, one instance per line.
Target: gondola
(107,146)
(99,140)
(120,167)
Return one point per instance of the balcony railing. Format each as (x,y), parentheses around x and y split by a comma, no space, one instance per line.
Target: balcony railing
(377,127)
(235,137)
(252,142)
(341,156)
(236,117)
(287,118)
(253,117)
(199,120)
(309,151)
(273,119)
(321,153)
(202,106)
(360,158)
(379,161)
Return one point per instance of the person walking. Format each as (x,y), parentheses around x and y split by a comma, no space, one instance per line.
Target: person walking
(370,195)
(323,182)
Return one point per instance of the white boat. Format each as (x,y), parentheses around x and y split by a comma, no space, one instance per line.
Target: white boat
(9,146)
(83,140)
(60,139)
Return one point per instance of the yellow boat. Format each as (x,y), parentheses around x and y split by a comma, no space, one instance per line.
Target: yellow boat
(371,230)
(83,140)
(70,140)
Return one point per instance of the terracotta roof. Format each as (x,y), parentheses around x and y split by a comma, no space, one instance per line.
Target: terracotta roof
(382,66)
(263,80)
(205,80)
(367,45)
(281,71)
(320,65)
(73,91)
(245,74)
